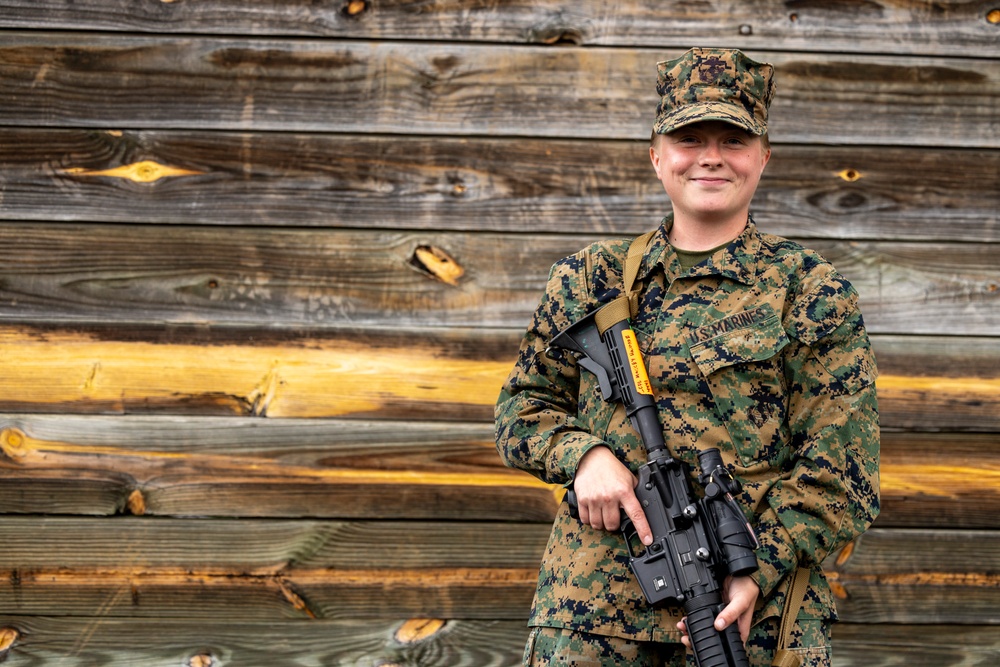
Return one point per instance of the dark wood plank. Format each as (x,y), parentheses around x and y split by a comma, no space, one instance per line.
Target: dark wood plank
(478,184)
(926,576)
(926,645)
(940,480)
(876,26)
(349,469)
(467,593)
(266,468)
(306,278)
(180,569)
(432,88)
(65,642)
(246,546)
(452,374)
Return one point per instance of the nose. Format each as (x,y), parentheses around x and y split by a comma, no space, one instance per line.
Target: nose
(711,155)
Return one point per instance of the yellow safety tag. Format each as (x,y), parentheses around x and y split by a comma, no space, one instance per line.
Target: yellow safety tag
(635,363)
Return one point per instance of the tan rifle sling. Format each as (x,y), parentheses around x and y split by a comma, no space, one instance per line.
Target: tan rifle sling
(627,305)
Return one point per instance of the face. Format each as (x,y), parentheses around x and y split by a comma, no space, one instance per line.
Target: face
(710,171)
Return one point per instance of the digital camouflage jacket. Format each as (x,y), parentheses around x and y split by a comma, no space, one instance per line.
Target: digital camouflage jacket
(760,351)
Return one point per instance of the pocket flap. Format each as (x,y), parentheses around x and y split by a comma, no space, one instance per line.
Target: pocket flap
(752,335)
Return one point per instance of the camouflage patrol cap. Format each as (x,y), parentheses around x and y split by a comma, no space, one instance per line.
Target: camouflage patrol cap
(713,84)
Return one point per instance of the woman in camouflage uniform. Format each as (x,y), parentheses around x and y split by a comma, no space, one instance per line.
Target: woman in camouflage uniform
(754,345)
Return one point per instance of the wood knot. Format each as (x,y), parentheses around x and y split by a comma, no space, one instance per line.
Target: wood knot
(561,37)
(13,443)
(7,638)
(136,503)
(993,16)
(355,8)
(437,263)
(201,660)
(418,629)
(849,175)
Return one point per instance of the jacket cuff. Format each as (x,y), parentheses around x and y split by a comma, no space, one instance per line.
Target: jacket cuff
(565,456)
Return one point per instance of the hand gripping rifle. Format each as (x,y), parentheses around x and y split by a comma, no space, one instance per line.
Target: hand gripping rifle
(696,542)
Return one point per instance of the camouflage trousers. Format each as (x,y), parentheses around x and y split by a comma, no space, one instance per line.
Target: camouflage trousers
(557,647)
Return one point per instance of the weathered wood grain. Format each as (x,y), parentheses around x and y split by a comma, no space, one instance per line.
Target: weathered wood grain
(895,27)
(265,548)
(475,184)
(940,480)
(247,467)
(452,374)
(926,645)
(352,469)
(888,571)
(362,593)
(316,278)
(65,642)
(182,569)
(447,89)
(69,642)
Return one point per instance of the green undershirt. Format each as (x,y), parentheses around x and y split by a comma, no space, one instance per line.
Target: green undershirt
(689,258)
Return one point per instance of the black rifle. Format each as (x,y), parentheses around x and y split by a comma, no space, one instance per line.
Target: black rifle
(696,542)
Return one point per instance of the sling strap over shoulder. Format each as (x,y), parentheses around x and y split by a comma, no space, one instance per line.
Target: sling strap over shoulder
(627,305)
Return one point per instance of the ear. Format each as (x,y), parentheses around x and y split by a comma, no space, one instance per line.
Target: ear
(654,157)
(763,163)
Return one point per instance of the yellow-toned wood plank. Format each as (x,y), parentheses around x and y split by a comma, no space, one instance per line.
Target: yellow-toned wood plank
(318,379)
(426,375)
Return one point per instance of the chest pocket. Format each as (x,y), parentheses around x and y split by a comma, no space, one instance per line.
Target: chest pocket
(742,365)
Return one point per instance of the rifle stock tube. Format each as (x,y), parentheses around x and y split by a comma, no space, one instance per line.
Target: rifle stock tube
(636,390)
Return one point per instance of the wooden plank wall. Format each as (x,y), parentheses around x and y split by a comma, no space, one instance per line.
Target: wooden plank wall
(264,266)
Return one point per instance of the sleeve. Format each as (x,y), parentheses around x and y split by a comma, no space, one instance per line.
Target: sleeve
(831,494)
(538,429)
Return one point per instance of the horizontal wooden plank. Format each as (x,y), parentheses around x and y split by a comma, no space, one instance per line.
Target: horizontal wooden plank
(887,574)
(264,547)
(342,595)
(321,278)
(180,569)
(350,469)
(452,374)
(477,184)
(939,480)
(67,642)
(890,644)
(194,466)
(79,80)
(951,27)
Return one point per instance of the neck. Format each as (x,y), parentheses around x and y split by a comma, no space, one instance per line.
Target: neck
(701,235)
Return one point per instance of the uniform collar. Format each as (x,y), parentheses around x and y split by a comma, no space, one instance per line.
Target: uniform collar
(737,261)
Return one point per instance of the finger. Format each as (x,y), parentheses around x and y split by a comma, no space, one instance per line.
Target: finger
(638,518)
(612,517)
(723,620)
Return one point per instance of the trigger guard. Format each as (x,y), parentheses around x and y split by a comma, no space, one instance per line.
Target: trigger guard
(628,532)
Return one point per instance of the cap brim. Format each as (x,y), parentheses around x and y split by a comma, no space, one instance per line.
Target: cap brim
(702,111)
